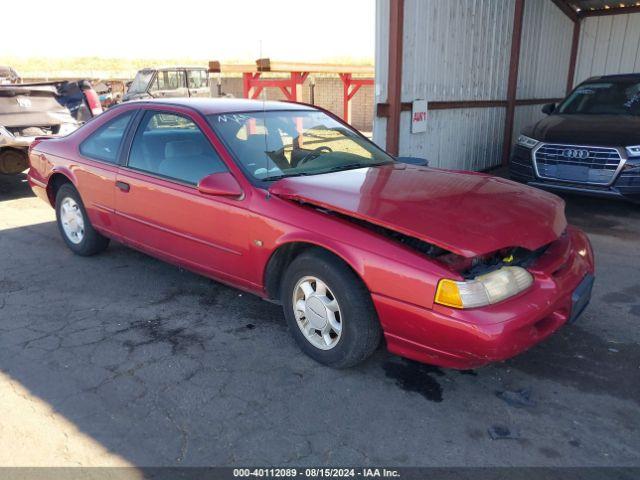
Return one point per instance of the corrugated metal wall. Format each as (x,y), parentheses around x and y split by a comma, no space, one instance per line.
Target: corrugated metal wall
(608,44)
(467,139)
(459,50)
(456,50)
(545,51)
(544,59)
(381,69)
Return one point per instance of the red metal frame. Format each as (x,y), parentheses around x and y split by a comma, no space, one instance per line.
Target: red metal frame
(253,84)
(350,87)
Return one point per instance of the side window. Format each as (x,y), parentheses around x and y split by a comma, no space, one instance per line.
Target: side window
(197,78)
(172,146)
(155,84)
(182,79)
(174,79)
(104,143)
(161,82)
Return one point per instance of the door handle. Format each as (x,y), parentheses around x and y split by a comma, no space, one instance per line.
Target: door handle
(125,187)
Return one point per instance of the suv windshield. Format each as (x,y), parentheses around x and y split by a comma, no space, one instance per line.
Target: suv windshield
(604,98)
(139,84)
(275,144)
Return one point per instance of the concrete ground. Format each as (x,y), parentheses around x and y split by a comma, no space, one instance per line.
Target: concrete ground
(121,359)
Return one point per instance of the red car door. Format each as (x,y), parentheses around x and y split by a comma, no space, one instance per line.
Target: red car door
(160,210)
(100,152)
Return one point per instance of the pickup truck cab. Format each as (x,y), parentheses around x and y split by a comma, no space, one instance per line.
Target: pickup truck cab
(170,82)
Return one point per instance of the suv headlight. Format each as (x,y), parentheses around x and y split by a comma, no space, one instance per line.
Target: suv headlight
(483,290)
(528,142)
(633,151)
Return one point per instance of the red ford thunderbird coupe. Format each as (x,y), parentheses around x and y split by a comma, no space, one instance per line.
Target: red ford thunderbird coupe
(287,202)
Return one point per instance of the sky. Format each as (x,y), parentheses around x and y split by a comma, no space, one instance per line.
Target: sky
(300,30)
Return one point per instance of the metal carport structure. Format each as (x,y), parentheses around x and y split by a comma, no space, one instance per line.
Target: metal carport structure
(486,68)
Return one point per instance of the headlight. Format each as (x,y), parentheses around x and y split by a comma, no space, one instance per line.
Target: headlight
(67,128)
(483,290)
(634,151)
(528,142)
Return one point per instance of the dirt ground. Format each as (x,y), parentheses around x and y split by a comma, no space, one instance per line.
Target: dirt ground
(120,359)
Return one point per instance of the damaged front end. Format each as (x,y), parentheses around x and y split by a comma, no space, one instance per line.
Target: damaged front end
(486,279)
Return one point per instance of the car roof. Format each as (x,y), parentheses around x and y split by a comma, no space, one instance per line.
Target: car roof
(208,106)
(622,77)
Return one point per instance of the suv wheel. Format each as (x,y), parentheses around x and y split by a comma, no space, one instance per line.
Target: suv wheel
(329,310)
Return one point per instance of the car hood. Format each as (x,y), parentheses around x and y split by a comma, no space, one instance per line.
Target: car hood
(604,130)
(468,214)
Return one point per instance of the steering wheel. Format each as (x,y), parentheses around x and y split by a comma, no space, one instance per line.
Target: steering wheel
(313,154)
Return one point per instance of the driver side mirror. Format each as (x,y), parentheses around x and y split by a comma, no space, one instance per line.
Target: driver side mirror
(549,108)
(413,161)
(220,185)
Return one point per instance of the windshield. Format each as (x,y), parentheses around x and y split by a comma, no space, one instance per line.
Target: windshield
(604,98)
(140,83)
(276,144)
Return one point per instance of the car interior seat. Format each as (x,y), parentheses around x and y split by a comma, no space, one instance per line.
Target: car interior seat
(189,161)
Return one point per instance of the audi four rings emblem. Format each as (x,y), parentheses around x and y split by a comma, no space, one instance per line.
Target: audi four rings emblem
(575,153)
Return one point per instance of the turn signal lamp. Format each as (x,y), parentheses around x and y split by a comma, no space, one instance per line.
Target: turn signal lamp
(484,289)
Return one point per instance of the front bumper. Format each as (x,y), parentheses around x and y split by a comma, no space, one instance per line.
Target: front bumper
(471,338)
(625,186)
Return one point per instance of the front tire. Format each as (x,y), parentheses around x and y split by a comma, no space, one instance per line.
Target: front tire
(329,310)
(74,224)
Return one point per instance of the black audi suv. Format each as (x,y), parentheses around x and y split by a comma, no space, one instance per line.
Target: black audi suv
(589,143)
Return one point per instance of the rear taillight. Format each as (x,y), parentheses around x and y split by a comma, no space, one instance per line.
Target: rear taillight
(35,142)
(93,101)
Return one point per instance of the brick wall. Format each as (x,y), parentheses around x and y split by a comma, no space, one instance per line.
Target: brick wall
(327,93)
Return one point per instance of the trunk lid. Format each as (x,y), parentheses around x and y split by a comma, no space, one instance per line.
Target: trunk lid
(31,106)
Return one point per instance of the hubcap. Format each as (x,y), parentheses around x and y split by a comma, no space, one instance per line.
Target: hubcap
(317,313)
(72,220)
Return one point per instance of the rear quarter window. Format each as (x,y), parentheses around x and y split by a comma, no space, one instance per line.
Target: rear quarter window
(104,143)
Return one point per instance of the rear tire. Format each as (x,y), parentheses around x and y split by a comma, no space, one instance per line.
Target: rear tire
(13,162)
(329,310)
(74,224)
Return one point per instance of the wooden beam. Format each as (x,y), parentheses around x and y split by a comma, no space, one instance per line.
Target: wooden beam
(575,41)
(512,83)
(394,82)
(216,67)
(609,11)
(268,65)
(567,9)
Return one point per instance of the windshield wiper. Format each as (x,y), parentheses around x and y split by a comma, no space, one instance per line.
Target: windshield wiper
(337,168)
(351,166)
(284,175)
